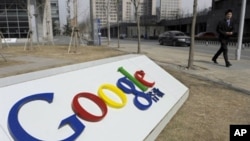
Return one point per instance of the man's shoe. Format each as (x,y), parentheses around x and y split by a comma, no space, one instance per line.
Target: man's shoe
(228,65)
(214,61)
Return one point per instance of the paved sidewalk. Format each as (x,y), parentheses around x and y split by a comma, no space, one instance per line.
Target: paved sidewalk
(237,76)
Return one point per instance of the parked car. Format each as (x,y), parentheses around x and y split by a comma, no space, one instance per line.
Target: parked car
(174,38)
(206,36)
(122,36)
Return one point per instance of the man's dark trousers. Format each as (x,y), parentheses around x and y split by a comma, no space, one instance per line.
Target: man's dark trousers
(223,49)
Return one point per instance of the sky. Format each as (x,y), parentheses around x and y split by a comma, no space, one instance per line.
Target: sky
(187,6)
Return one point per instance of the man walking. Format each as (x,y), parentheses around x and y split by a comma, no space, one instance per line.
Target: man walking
(225,29)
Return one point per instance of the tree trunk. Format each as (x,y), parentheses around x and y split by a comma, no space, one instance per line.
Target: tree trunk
(30,32)
(1,45)
(138,33)
(191,49)
(118,26)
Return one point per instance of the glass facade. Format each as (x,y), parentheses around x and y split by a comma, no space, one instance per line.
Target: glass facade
(55,10)
(99,8)
(14,18)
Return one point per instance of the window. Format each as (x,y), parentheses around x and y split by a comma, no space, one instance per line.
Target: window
(53,5)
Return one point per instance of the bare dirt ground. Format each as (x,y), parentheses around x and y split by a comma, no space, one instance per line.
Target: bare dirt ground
(205,116)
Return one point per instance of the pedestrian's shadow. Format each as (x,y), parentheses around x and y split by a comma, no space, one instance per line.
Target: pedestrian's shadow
(210,62)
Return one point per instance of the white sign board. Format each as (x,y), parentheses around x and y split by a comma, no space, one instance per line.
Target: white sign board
(34,105)
(9,40)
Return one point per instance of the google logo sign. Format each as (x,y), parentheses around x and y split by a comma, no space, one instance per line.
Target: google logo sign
(135,85)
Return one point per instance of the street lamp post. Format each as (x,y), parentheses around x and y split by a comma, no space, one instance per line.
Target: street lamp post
(242,18)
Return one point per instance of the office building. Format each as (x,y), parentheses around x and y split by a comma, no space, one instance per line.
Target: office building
(168,9)
(100,10)
(14,21)
(127,10)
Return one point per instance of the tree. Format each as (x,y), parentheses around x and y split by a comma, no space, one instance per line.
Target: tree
(47,22)
(31,12)
(118,27)
(136,4)
(67,29)
(84,26)
(106,7)
(55,28)
(191,49)
(30,32)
